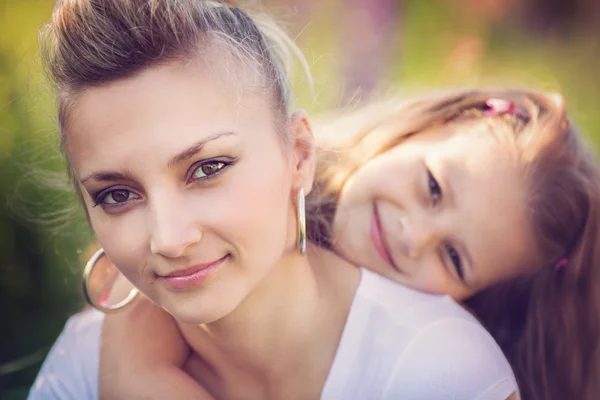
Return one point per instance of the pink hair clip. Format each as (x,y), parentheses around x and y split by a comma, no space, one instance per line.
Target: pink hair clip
(561,263)
(501,106)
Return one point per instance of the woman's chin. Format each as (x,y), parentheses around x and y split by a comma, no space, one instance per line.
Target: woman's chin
(198,312)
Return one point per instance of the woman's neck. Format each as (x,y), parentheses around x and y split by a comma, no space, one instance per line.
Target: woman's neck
(283,336)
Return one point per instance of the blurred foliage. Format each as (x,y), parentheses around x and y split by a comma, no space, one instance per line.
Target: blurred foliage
(39,264)
(550,45)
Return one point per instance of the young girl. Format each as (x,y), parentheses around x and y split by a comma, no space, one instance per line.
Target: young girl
(262,321)
(543,311)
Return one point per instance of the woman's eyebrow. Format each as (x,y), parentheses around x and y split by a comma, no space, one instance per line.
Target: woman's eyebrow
(107,176)
(182,156)
(196,148)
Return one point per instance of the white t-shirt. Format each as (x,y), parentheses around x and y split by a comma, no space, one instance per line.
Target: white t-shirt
(397,344)
(70,371)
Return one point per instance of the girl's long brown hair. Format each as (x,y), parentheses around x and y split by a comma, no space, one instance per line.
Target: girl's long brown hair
(547,321)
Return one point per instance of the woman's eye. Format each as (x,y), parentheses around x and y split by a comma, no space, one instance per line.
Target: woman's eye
(456,261)
(207,169)
(434,188)
(116,197)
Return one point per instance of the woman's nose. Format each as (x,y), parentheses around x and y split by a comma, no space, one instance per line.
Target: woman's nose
(173,231)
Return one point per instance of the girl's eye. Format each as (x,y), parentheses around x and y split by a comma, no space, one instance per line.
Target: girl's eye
(116,197)
(207,169)
(456,261)
(434,188)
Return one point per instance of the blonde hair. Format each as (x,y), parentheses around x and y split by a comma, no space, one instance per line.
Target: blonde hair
(547,321)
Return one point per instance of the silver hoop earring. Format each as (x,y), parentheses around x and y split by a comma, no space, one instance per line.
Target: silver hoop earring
(87,273)
(301,210)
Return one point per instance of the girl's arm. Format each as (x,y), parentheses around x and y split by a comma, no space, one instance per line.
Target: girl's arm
(142,355)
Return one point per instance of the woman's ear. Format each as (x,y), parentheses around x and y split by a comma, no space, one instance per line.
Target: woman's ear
(303,151)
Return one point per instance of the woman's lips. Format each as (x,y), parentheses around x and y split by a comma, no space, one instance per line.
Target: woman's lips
(378,238)
(192,276)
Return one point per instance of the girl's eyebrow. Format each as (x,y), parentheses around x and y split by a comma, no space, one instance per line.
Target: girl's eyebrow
(446,174)
(469,277)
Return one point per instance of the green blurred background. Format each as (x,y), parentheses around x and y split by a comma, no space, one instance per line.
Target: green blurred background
(357,49)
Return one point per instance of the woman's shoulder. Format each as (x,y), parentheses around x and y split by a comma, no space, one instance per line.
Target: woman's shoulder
(70,370)
(401,343)
(405,305)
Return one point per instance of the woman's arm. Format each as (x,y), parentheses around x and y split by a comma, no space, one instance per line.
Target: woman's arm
(142,355)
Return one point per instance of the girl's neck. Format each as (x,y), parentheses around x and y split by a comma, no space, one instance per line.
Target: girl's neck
(283,336)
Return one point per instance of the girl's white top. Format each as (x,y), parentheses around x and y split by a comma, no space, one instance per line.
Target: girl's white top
(397,344)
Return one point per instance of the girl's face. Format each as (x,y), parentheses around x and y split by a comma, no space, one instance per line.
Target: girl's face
(444,212)
(187,185)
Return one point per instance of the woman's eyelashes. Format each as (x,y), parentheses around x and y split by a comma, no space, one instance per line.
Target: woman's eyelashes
(208,169)
(201,171)
(114,197)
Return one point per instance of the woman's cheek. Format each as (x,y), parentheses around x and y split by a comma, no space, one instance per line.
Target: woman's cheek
(124,238)
(251,211)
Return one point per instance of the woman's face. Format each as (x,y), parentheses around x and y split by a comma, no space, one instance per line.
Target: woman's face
(187,186)
(443,212)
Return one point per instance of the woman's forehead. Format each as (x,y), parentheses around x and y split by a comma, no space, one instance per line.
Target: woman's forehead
(156,108)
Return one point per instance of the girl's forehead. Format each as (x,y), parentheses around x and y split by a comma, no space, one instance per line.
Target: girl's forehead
(482,136)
